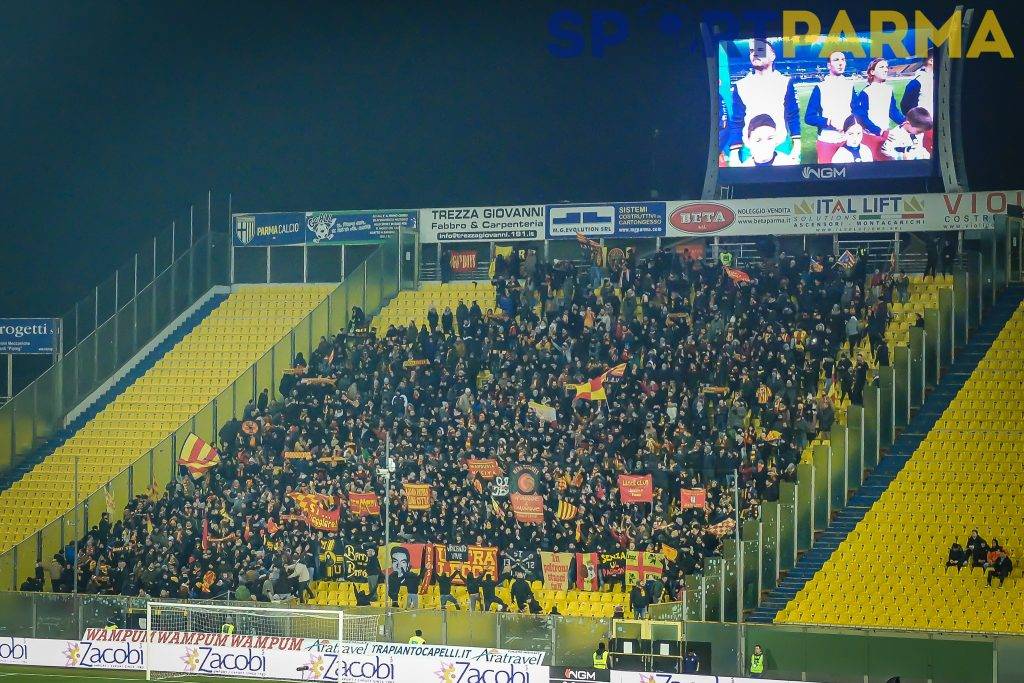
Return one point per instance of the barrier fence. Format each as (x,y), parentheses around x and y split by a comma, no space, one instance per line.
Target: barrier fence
(836,655)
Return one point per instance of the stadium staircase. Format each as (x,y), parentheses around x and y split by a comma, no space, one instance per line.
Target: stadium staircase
(774,607)
(207,352)
(50,446)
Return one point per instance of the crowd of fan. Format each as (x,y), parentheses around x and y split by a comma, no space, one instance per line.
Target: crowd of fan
(722,377)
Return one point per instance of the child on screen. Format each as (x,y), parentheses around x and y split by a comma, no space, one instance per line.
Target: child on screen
(852,150)
(761,141)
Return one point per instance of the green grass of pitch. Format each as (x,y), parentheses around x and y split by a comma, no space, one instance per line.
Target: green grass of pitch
(809,134)
(37,674)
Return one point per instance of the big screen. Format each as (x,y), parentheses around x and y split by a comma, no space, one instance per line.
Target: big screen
(824,113)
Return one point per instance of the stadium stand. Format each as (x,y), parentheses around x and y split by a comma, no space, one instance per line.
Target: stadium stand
(684,412)
(963,475)
(160,399)
(912,295)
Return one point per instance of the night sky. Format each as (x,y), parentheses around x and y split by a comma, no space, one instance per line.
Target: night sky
(117,116)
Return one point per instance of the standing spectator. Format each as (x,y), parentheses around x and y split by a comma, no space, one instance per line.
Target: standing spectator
(473,588)
(521,592)
(638,601)
(299,573)
(444,588)
(488,588)
(757,662)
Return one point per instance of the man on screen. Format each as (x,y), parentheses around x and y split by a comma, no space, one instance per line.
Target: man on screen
(764,91)
(829,106)
(919,93)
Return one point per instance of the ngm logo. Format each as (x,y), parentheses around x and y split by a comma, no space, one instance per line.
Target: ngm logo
(207,660)
(825,173)
(589,220)
(245,228)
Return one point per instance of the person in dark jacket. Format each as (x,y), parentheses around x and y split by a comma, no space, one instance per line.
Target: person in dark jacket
(488,587)
(977,548)
(522,594)
(638,601)
(999,569)
(444,588)
(957,557)
(473,588)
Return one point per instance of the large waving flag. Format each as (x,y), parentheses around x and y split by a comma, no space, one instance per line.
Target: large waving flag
(319,510)
(736,275)
(197,456)
(567,511)
(594,389)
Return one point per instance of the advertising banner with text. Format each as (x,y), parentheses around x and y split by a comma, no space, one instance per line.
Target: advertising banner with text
(482,224)
(839,214)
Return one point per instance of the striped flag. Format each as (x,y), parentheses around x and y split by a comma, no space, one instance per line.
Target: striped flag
(108,494)
(594,389)
(197,456)
(567,511)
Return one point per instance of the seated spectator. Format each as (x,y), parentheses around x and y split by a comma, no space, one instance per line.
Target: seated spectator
(957,557)
(999,569)
(977,549)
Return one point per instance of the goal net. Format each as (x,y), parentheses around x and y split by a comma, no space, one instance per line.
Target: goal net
(176,646)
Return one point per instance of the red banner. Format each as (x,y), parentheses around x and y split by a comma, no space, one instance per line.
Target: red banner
(587,571)
(487,468)
(474,558)
(363,504)
(636,488)
(318,510)
(529,509)
(693,498)
(463,261)
(417,496)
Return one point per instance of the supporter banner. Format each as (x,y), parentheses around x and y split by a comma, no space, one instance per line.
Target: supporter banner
(463,261)
(417,496)
(636,488)
(525,562)
(482,224)
(269,229)
(613,566)
(402,558)
(639,219)
(479,560)
(693,498)
(529,509)
(318,509)
(343,562)
(486,468)
(28,335)
(363,504)
(523,479)
(840,214)
(339,227)
(555,567)
(587,572)
(641,565)
(456,553)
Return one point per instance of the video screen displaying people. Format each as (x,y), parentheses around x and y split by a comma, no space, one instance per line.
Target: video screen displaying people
(824,107)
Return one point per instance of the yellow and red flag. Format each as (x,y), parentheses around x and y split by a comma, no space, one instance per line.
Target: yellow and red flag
(736,275)
(197,456)
(318,509)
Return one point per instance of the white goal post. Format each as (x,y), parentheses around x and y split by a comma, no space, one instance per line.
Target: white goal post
(244,620)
